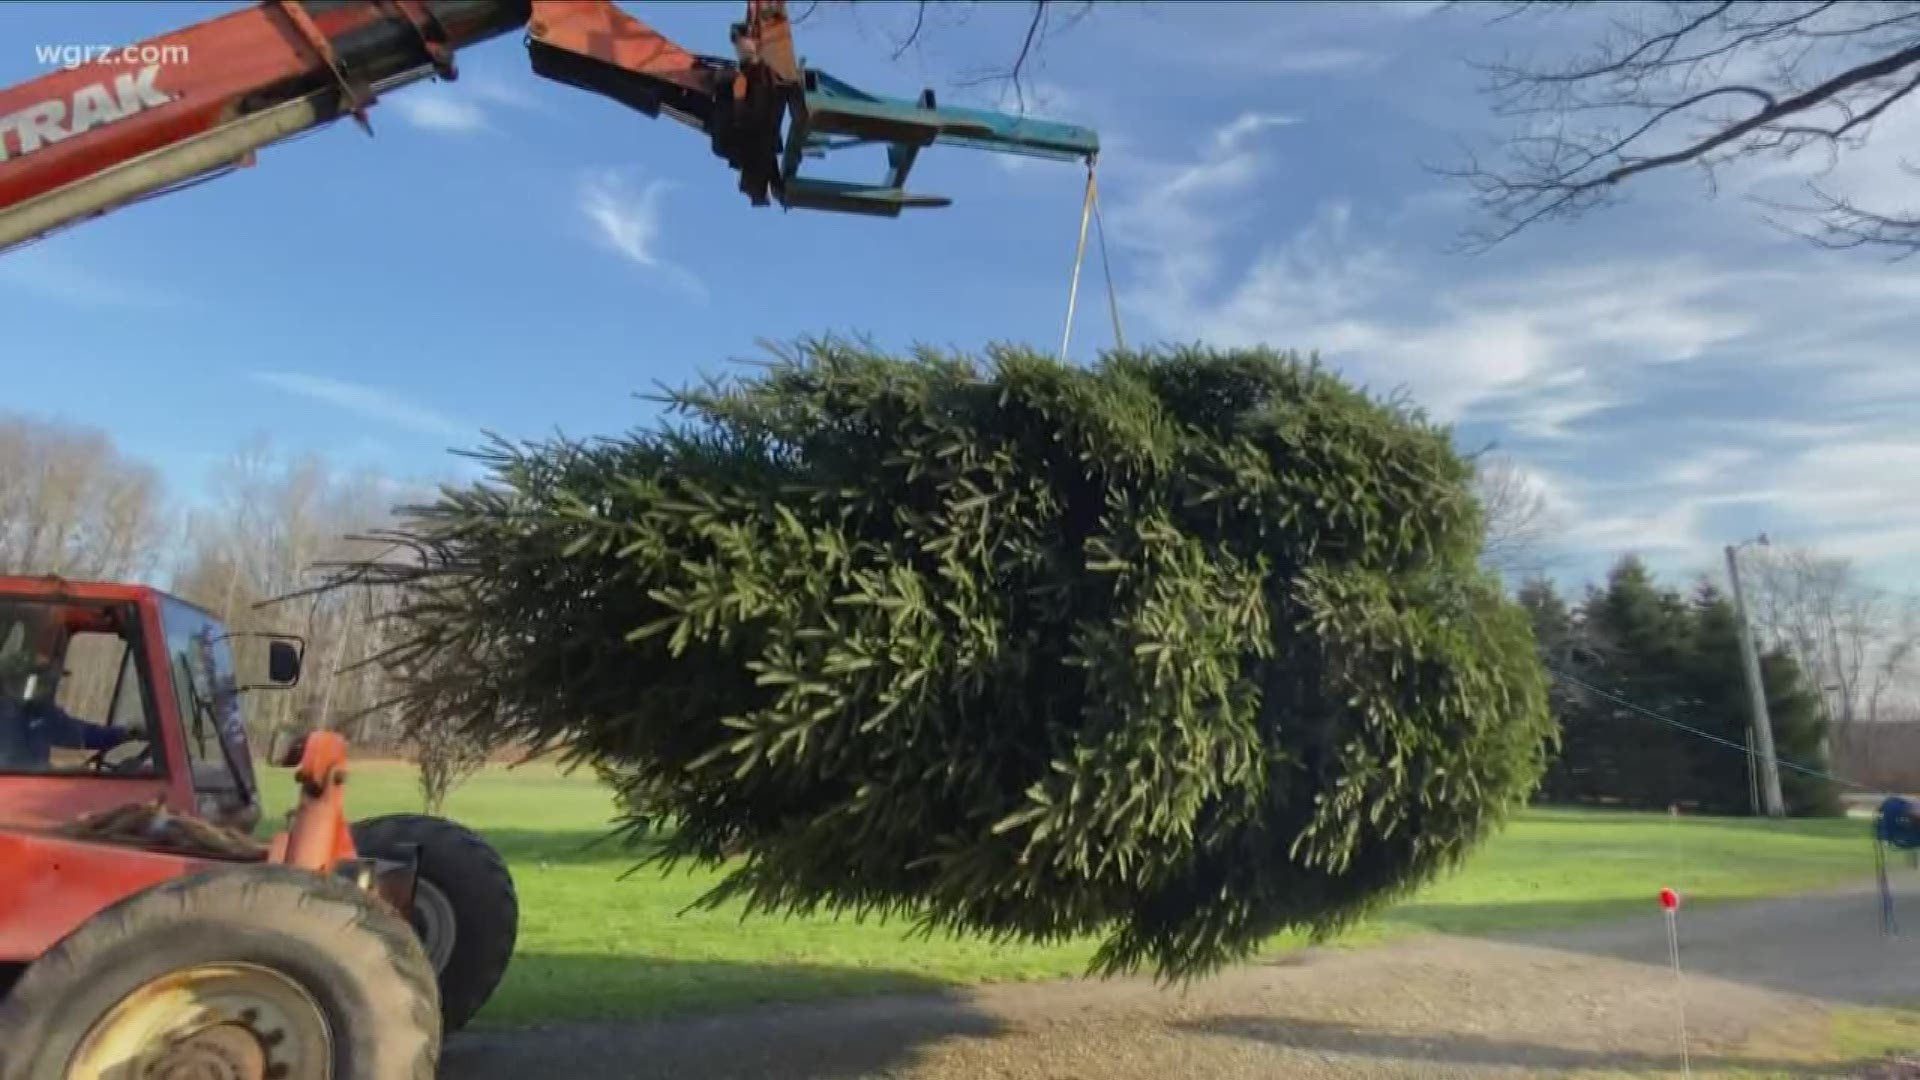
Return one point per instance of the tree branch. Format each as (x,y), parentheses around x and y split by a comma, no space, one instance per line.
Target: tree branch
(1802,67)
(1045,16)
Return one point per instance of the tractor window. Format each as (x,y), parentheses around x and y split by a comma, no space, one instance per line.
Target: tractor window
(209,700)
(102,683)
(72,694)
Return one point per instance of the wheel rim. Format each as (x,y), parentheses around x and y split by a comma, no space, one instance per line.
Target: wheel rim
(213,1022)
(433,920)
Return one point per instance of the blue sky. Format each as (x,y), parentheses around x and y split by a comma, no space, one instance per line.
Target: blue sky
(516,256)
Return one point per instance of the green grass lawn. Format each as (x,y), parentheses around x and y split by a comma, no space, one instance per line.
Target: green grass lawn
(595,946)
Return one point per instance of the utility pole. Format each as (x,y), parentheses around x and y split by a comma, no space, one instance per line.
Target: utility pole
(1756,691)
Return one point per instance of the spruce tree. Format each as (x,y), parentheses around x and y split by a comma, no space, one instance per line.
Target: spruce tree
(1181,650)
(1717,705)
(1799,737)
(1679,658)
(1640,636)
(1570,777)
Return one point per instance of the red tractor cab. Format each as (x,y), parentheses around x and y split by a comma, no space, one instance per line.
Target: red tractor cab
(151,669)
(144,931)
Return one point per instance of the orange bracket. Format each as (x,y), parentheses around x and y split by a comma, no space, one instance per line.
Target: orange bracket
(355,96)
(317,838)
(601,32)
(434,39)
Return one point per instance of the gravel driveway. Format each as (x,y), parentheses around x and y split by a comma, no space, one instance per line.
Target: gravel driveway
(1599,999)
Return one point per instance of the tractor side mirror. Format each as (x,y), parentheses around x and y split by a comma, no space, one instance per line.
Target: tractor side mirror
(284,655)
(283,663)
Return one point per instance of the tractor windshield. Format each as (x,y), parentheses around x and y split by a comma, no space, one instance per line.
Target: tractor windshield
(208,696)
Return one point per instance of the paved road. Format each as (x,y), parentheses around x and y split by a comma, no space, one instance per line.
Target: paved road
(1603,998)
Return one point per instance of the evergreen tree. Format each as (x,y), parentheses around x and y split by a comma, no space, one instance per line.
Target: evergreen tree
(1799,736)
(1569,777)
(1640,636)
(1181,649)
(1719,781)
(1679,658)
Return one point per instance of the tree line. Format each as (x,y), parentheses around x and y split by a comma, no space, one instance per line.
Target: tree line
(1840,667)
(1633,659)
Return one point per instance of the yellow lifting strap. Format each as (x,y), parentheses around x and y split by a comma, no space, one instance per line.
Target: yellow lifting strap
(1090,212)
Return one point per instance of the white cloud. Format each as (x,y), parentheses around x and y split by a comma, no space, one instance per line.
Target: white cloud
(1537,350)
(459,108)
(1545,350)
(1235,134)
(1325,61)
(628,222)
(1407,9)
(1869,170)
(1552,407)
(44,270)
(1706,467)
(1674,528)
(371,402)
(1174,218)
(1585,519)
(1868,482)
(436,108)
(1523,347)
(497,91)
(1625,366)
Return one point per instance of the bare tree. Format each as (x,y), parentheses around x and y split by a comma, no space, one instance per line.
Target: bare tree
(1893,674)
(1703,84)
(1520,519)
(274,523)
(71,504)
(444,754)
(1855,641)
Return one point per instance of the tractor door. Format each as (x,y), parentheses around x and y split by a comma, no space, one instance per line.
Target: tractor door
(208,697)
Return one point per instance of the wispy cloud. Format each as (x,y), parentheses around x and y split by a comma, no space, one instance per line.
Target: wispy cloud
(498,91)
(1325,61)
(1407,9)
(1708,467)
(1668,398)
(1561,405)
(1175,215)
(437,108)
(371,402)
(44,271)
(1588,520)
(628,221)
(1542,350)
(460,108)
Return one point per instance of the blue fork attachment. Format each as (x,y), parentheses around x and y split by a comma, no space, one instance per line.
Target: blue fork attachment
(831,115)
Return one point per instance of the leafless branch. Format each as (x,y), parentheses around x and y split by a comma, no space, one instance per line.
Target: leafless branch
(1695,84)
(1045,18)
(1048,17)
(913,35)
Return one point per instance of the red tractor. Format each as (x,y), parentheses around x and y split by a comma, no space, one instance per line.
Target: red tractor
(144,932)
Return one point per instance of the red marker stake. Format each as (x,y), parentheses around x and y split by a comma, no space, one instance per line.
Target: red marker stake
(1670,904)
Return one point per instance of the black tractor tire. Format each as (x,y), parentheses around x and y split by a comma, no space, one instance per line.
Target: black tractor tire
(474,884)
(342,957)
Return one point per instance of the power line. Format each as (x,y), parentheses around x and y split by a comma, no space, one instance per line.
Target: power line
(1691,730)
